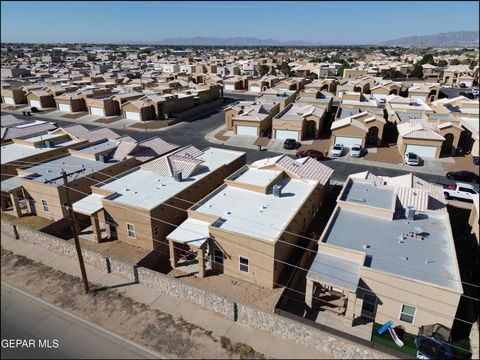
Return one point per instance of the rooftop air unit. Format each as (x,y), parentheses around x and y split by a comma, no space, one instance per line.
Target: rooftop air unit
(410,213)
(277,190)
(49,144)
(103,158)
(177,175)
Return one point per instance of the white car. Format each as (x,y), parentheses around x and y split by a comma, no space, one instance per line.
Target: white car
(356,151)
(337,150)
(412,159)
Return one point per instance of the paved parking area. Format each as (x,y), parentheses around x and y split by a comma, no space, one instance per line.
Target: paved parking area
(460,163)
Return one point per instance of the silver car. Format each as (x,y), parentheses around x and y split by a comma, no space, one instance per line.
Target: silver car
(356,151)
(337,150)
(412,159)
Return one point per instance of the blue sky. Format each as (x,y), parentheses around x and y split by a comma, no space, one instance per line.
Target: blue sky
(358,22)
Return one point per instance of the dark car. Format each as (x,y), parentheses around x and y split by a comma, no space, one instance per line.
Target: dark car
(34,109)
(311,153)
(467,176)
(434,342)
(290,144)
(476,160)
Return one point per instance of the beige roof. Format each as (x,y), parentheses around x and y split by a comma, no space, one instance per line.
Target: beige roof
(419,129)
(253,113)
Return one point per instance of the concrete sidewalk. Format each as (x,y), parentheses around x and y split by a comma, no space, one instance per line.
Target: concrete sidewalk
(261,341)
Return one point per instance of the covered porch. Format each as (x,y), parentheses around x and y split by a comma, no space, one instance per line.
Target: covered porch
(190,248)
(91,206)
(14,200)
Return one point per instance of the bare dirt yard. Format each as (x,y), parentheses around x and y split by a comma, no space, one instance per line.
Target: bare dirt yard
(171,336)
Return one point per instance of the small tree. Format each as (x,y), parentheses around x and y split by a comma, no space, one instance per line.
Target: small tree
(263,70)
(455,62)
(417,72)
(442,63)
(285,69)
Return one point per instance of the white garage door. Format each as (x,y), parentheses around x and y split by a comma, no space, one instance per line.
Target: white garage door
(35,103)
(286,134)
(64,107)
(418,97)
(130,115)
(254,88)
(97,111)
(229,87)
(247,130)
(348,142)
(9,100)
(421,150)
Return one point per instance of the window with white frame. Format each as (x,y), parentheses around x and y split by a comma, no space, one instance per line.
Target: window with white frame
(131,230)
(218,257)
(407,313)
(45,205)
(243,264)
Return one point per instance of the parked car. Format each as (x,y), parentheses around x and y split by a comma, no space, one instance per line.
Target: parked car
(412,159)
(311,153)
(475,91)
(290,144)
(476,160)
(337,150)
(34,109)
(463,176)
(459,191)
(434,342)
(356,151)
(463,86)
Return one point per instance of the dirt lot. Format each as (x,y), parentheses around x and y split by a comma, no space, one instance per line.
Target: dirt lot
(34,222)
(388,154)
(240,290)
(108,120)
(75,115)
(221,135)
(461,163)
(173,337)
(155,124)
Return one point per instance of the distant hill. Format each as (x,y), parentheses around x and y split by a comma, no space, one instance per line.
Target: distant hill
(233,41)
(457,38)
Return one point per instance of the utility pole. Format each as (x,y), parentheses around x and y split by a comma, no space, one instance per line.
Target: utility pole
(68,206)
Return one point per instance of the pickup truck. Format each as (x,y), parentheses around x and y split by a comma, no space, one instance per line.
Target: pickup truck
(459,191)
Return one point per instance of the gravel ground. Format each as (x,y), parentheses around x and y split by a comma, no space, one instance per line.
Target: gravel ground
(171,336)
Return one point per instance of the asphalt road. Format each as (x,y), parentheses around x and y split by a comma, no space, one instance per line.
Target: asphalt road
(24,317)
(193,133)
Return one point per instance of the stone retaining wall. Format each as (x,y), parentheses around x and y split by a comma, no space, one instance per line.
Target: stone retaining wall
(231,309)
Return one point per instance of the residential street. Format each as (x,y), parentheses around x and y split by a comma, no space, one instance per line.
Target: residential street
(194,132)
(25,318)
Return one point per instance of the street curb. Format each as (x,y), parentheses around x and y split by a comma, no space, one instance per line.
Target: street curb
(85,321)
(210,137)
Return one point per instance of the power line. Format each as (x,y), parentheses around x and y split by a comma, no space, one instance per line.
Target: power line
(109,177)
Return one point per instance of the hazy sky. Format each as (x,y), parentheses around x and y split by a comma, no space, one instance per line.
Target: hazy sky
(359,22)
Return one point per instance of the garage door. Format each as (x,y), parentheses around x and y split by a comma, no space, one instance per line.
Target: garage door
(9,100)
(247,130)
(421,150)
(254,88)
(286,134)
(35,103)
(348,142)
(130,115)
(64,107)
(96,111)
(229,87)
(418,97)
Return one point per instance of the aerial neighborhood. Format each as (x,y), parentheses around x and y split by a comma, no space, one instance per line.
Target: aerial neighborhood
(296,190)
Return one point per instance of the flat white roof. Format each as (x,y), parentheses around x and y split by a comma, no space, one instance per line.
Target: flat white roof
(12,152)
(89,205)
(255,214)
(256,177)
(191,232)
(146,189)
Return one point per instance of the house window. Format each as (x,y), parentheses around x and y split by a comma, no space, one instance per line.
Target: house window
(156,231)
(131,230)
(244,264)
(45,205)
(218,257)
(407,313)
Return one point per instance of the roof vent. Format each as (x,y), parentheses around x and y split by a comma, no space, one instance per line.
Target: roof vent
(126,189)
(277,191)
(365,246)
(410,213)
(177,175)
(404,258)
